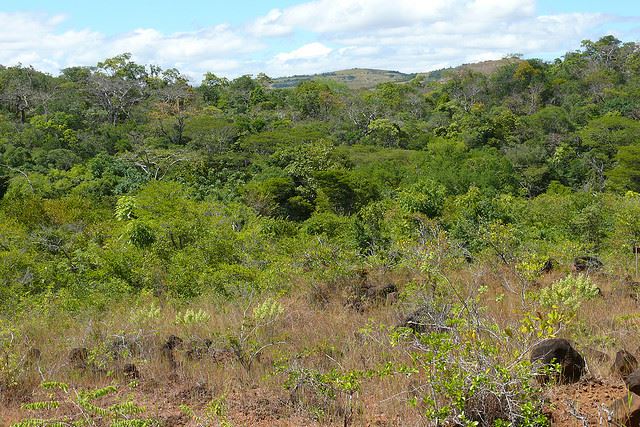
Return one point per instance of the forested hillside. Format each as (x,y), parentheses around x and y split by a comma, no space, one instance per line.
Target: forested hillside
(316,254)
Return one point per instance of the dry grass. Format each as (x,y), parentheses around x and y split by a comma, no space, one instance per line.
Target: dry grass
(315,331)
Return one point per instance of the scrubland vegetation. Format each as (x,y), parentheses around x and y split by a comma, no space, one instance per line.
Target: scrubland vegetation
(229,253)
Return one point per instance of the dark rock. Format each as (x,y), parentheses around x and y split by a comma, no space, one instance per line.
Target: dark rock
(596,355)
(428,318)
(167,351)
(632,381)
(485,408)
(586,263)
(625,412)
(560,351)
(624,364)
(197,349)
(78,358)
(548,266)
(131,371)
(123,346)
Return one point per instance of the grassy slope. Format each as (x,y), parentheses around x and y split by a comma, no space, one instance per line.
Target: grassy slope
(364,78)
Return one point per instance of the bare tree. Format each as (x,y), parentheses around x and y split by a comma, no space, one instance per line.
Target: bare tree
(22,90)
(116,95)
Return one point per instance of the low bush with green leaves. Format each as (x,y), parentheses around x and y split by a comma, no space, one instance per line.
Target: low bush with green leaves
(84,408)
(569,293)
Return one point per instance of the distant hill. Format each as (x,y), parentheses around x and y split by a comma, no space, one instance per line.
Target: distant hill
(485,67)
(364,78)
(355,78)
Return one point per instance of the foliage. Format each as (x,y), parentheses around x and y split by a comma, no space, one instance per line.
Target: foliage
(568,294)
(123,183)
(89,410)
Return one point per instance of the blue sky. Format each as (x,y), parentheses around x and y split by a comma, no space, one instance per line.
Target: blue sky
(295,36)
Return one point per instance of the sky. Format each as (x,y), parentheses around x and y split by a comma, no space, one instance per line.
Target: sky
(288,37)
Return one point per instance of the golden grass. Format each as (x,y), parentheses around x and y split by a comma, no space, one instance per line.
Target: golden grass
(316,331)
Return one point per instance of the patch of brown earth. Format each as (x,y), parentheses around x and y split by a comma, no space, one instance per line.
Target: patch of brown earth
(584,403)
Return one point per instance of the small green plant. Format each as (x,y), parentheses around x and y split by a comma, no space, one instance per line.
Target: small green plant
(145,314)
(269,310)
(86,407)
(215,413)
(569,293)
(140,234)
(192,317)
(11,365)
(332,388)
(251,339)
(125,207)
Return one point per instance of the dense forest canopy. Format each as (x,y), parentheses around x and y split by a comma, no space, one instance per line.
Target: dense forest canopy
(123,177)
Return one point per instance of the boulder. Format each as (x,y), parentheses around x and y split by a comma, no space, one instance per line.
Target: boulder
(624,364)
(131,371)
(632,382)
(167,351)
(548,266)
(596,355)
(78,357)
(198,348)
(560,351)
(625,412)
(428,318)
(586,263)
(124,346)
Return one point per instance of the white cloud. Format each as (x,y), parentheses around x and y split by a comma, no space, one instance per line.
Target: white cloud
(34,39)
(308,51)
(340,16)
(405,35)
(418,35)
(307,59)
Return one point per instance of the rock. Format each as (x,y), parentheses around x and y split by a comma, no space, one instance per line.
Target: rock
(558,350)
(632,381)
(586,263)
(131,371)
(485,408)
(198,348)
(547,267)
(167,351)
(123,346)
(596,355)
(625,412)
(78,357)
(428,318)
(624,364)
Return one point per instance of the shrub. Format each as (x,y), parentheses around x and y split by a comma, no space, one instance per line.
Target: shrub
(87,408)
(569,293)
